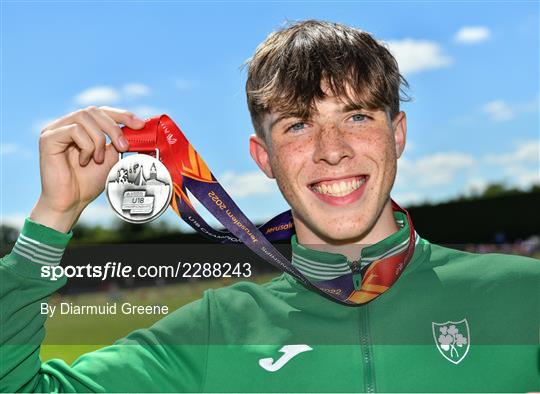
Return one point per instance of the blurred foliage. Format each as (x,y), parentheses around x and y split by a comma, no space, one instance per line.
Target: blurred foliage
(121,231)
(492,190)
(497,190)
(8,236)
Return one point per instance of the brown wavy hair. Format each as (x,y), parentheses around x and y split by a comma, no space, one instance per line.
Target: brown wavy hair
(286,72)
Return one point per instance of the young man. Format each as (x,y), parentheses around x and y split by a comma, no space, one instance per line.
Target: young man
(324,100)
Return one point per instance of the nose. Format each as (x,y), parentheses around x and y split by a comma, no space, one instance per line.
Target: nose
(331,146)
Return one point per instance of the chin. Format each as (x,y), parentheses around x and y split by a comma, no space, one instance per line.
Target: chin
(344,225)
(343,234)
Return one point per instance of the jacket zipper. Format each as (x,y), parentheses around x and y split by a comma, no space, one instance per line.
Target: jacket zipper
(357,276)
(367,351)
(365,340)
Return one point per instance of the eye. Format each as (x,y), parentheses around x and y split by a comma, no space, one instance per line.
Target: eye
(297,127)
(359,117)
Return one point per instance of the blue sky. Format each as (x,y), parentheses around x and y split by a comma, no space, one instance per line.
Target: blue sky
(472,66)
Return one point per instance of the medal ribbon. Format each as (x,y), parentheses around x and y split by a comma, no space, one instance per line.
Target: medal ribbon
(189,172)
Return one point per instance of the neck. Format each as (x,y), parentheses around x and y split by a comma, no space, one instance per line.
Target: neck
(384,226)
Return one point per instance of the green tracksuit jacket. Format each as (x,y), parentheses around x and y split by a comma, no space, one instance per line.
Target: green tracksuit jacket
(453,322)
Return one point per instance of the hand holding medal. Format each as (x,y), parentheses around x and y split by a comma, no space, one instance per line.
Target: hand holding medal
(75,159)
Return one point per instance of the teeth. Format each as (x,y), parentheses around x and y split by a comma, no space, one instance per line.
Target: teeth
(339,189)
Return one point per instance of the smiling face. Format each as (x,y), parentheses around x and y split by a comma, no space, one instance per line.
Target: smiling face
(335,169)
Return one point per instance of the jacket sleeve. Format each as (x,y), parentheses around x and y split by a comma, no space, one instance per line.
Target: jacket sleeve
(169,356)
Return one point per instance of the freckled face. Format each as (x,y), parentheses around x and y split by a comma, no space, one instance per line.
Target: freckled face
(336,169)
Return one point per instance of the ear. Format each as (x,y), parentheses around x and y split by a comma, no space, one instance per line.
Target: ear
(399,125)
(260,153)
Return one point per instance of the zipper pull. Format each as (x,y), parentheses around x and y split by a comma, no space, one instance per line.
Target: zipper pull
(357,276)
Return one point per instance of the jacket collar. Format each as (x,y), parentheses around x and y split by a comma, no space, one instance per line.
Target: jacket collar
(320,265)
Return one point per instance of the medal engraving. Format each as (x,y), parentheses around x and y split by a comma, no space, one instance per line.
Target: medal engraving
(139,188)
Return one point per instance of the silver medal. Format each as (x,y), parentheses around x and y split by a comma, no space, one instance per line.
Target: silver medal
(139,188)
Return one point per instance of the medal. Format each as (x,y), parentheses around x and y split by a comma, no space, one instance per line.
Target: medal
(139,188)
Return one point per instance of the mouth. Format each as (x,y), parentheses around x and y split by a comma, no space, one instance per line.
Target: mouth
(340,191)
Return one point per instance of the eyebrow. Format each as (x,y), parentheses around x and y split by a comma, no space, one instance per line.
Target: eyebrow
(284,116)
(346,108)
(353,107)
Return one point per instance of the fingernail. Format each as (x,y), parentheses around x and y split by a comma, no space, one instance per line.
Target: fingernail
(122,142)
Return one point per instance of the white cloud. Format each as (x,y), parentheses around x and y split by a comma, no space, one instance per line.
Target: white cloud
(444,175)
(97,213)
(498,111)
(147,111)
(134,90)
(522,176)
(525,152)
(472,34)
(520,167)
(501,111)
(475,185)
(516,168)
(247,184)
(8,149)
(414,56)
(40,125)
(408,198)
(98,95)
(410,146)
(433,170)
(107,95)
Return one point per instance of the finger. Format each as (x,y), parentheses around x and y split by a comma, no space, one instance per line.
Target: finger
(84,142)
(64,120)
(118,115)
(110,127)
(57,140)
(93,129)
(125,117)
(111,155)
